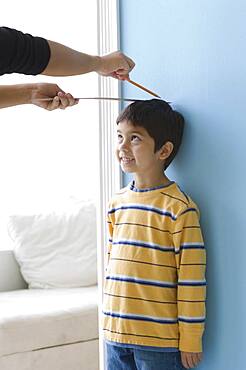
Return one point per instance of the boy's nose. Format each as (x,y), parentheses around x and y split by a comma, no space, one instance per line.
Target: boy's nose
(124,146)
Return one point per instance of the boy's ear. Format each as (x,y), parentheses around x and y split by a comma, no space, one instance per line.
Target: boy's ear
(165,150)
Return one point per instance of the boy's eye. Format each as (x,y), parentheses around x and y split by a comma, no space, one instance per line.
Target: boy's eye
(135,138)
(119,137)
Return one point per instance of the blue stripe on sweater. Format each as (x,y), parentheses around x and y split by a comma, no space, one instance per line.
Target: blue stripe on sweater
(191,320)
(190,246)
(161,284)
(143,207)
(139,243)
(192,283)
(141,317)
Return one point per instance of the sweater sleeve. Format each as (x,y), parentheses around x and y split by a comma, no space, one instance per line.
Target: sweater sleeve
(191,260)
(110,234)
(22,53)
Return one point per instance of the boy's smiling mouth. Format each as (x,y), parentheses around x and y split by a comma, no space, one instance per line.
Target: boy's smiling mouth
(126,160)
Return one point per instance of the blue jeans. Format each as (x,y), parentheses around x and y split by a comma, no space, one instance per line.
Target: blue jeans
(120,358)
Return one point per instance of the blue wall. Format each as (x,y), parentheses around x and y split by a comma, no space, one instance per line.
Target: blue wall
(193,54)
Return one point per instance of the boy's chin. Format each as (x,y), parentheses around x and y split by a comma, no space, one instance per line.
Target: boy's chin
(126,170)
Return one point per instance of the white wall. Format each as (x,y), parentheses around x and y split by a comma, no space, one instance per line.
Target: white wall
(49,155)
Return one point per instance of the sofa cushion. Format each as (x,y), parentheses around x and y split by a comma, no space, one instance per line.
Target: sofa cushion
(32,319)
(76,356)
(57,249)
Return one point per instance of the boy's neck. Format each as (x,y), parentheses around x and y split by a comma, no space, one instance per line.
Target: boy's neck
(142,182)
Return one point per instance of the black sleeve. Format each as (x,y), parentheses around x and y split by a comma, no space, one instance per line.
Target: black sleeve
(22,53)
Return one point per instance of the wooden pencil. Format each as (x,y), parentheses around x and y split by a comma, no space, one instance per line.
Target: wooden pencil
(142,87)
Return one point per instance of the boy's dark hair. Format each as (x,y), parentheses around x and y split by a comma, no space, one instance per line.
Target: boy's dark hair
(160,121)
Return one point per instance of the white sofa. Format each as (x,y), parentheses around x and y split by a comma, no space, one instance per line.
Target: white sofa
(45,329)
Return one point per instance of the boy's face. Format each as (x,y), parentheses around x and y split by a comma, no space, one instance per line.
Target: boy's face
(135,150)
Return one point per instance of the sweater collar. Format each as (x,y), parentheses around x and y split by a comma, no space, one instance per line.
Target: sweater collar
(133,187)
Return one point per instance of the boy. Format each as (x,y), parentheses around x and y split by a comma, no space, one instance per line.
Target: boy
(154,298)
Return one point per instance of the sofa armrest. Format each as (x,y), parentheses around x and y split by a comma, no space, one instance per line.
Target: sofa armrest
(10,275)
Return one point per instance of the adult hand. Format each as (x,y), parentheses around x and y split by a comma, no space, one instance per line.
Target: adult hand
(190,359)
(116,65)
(60,100)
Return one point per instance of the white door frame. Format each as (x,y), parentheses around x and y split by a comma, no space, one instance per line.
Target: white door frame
(109,170)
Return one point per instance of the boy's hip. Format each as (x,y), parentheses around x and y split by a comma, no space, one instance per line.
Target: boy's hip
(138,332)
(124,358)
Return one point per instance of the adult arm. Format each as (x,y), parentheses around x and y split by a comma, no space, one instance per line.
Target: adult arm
(26,54)
(67,62)
(22,53)
(11,95)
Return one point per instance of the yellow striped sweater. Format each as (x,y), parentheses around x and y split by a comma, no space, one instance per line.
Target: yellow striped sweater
(154,293)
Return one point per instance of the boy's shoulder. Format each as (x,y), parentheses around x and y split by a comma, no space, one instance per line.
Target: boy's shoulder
(119,195)
(181,202)
(176,195)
